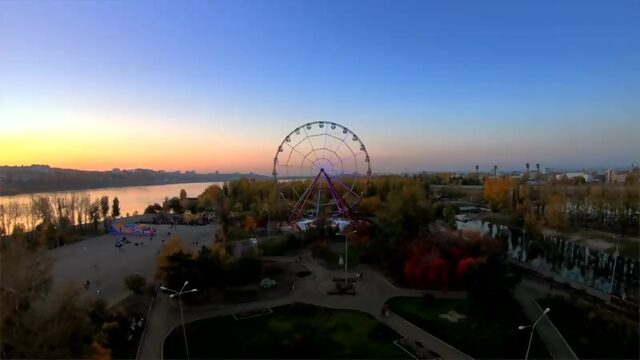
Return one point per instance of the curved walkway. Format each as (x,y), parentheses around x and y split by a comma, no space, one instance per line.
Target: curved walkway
(371,294)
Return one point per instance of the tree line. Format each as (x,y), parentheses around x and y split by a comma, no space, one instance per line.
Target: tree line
(57,219)
(558,205)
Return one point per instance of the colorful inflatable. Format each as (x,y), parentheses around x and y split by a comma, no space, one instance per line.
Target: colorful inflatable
(131,229)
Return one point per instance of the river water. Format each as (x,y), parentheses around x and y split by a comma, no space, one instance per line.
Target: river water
(132,198)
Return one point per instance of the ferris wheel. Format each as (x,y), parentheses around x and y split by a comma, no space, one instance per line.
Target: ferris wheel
(332,160)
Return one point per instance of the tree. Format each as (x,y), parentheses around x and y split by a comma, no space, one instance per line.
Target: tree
(174,205)
(174,245)
(527,165)
(153,209)
(42,206)
(497,192)
(538,167)
(3,221)
(104,209)
(495,169)
(104,206)
(477,168)
(94,213)
(183,195)
(115,208)
(135,283)
(26,279)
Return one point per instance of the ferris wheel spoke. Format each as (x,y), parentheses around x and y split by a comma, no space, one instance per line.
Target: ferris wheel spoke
(304,157)
(296,167)
(349,189)
(342,141)
(355,155)
(324,145)
(310,143)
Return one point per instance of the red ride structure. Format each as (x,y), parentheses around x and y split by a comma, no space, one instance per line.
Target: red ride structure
(335,160)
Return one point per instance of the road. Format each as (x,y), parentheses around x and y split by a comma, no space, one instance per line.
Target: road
(526,293)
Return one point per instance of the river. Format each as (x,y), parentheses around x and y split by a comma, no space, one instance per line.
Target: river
(132,198)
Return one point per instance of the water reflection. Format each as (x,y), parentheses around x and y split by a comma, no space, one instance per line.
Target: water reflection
(555,254)
(132,198)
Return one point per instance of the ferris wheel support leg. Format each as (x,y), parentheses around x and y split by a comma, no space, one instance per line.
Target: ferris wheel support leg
(297,211)
(341,206)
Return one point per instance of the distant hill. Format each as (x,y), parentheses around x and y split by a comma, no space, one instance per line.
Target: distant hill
(40,178)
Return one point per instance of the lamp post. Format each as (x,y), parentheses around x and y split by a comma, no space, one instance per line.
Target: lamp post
(346,255)
(179,295)
(268,223)
(615,262)
(522,327)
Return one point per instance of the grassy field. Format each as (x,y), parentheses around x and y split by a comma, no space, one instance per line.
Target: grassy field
(594,331)
(291,331)
(480,335)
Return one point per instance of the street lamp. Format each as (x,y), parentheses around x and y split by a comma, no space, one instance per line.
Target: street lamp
(615,262)
(522,327)
(268,223)
(179,294)
(346,254)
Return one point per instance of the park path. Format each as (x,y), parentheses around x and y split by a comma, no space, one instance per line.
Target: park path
(526,293)
(371,294)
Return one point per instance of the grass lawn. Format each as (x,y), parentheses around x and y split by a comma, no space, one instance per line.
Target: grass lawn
(291,331)
(480,335)
(592,330)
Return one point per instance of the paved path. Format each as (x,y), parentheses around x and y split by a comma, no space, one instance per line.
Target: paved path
(526,293)
(372,292)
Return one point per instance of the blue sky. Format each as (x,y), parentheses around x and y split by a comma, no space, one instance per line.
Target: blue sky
(427,85)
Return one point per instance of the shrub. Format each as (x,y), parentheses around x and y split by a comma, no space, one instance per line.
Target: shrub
(271,269)
(135,283)
(245,270)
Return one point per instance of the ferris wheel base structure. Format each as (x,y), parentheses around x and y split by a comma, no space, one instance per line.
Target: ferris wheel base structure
(298,210)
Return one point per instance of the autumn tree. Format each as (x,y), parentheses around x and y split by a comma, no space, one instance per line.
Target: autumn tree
(497,193)
(555,212)
(173,245)
(406,212)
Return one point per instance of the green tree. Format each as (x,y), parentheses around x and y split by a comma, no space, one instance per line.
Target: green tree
(104,206)
(174,205)
(115,208)
(94,213)
(153,209)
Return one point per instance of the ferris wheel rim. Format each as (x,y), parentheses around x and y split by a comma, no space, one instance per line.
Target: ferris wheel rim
(321,124)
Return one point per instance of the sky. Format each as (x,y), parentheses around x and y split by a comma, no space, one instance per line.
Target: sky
(217,85)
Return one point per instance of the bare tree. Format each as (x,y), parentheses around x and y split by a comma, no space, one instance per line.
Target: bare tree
(3,220)
(42,206)
(73,204)
(13,214)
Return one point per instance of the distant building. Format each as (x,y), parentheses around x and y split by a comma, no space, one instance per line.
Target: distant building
(614,177)
(588,178)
